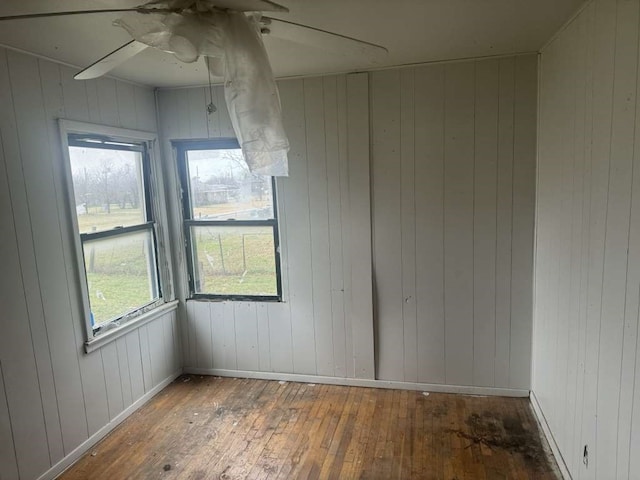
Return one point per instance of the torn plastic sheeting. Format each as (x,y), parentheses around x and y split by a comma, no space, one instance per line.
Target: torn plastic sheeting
(251,93)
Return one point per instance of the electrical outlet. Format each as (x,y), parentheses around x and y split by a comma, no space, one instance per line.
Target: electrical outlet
(585,456)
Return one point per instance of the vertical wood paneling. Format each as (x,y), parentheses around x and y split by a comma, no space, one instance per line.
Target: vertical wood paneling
(145,356)
(280,337)
(125,375)
(319,223)
(504,227)
(335,210)
(56,395)
(217,334)
(296,198)
(50,79)
(21,392)
(451,144)
(127,115)
(134,357)
(524,145)
(586,340)
(458,224)
(229,336)
(39,183)
(145,109)
(324,325)
(345,230)
(167,325)
(617,237)
(407,215)
(8,464)
(197,107)
(200,320)
(112,379)
(155,333)
(484,220)
(264,340)
(108,101)
(429,198)
(247,336)
(360,248)
(387,223)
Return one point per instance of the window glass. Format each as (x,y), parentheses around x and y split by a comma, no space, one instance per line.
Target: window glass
(121,274)
(115,227)
(234,260)
(222,187)
(108,188)
(230,223)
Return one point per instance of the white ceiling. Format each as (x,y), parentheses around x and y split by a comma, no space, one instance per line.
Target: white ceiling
(414,31)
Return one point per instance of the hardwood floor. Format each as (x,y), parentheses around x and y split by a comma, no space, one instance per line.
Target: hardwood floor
(223,428)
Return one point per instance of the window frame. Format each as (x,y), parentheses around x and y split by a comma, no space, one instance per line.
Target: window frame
(182,147)
(145,143)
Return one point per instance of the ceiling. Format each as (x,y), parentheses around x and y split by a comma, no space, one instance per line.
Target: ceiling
(413,31)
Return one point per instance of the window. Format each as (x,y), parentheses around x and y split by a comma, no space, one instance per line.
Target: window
(111,197)
(230,223)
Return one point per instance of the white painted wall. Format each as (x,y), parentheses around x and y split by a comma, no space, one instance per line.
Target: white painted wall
(324,326)
(586,357)
(453,194)
(453,166)
(53,396)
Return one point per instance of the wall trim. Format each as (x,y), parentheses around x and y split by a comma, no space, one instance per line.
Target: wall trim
(539,414)
(362,382)
(85,446)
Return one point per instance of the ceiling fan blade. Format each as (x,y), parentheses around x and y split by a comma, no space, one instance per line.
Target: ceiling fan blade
(111,60)
(318,38)
(63,14)
(250,5)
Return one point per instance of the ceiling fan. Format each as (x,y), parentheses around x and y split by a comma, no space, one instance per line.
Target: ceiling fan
(181,15)
(228,33)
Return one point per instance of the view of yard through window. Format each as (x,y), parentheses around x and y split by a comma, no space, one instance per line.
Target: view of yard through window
(230,260)
(109,195)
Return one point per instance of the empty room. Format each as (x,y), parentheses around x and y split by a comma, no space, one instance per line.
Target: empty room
(319,239)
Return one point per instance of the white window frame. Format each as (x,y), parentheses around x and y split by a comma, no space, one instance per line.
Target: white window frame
(166,302)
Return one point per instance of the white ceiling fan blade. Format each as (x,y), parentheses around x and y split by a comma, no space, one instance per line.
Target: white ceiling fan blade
(318,38)
(27,16)
(250,5)
(111,60)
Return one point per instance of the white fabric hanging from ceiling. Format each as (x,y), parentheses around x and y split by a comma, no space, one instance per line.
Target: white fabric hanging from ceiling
(234,42)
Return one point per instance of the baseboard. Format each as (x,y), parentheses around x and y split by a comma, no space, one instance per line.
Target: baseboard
(85,446)
(361,382)
(537,410)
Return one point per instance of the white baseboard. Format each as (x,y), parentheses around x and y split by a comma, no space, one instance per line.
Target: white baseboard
(85,446)
(361,382)
(562,466)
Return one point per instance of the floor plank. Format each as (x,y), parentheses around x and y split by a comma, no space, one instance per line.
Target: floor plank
(227,428)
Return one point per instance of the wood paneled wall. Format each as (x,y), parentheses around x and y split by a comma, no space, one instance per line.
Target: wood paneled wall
(324,326)
(53,396)
(453,206)
(586,355)
(453,196)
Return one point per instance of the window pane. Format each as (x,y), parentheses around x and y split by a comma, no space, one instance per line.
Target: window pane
(121,274)
(108,188)
(234,260)
(222,188)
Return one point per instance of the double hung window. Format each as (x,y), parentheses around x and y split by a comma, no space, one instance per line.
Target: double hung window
(111,195)
(230,223)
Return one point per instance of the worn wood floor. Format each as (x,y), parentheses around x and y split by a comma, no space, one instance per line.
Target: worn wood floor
(223,428)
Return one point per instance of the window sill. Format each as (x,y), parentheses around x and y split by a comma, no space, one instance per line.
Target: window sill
(107,337)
